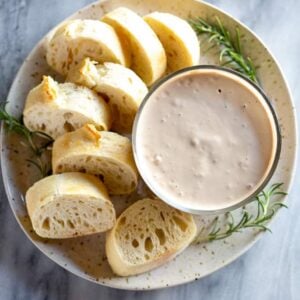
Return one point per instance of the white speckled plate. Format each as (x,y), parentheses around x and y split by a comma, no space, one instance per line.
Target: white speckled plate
(85,257)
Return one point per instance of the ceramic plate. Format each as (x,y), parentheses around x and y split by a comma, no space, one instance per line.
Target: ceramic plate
(85,256)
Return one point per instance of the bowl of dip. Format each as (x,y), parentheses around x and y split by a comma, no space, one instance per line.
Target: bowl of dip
(206,139)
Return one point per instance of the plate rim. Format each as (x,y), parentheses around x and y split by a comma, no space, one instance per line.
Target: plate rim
(111,284)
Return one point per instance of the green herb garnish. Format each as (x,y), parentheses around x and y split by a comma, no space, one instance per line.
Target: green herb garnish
(230,48)
(37,148)
(266,208)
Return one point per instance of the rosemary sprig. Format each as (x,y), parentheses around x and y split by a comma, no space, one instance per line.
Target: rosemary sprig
(230,48)
(265,211)
(15,125)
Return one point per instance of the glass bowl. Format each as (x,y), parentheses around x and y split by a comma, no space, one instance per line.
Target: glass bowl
(169,199)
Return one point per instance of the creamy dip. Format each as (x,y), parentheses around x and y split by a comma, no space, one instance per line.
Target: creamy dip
(205,140)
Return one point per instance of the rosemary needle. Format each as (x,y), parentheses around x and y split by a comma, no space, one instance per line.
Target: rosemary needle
(265,211)
(230,49)
(15,125)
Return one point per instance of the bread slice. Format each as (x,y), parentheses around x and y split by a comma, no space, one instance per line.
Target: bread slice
(146,235)
(77,39)
(105,154)
(178,39)
(69,205)
(55,108)
(123,88)
(148,58)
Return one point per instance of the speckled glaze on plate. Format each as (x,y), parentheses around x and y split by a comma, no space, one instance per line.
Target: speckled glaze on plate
(85,256)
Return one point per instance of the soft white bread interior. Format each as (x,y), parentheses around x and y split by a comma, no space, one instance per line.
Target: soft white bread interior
(178,39)
(105,154)
(76,39)
(69,205)
(122,87)
(55,108)
(148,58)
(146,235)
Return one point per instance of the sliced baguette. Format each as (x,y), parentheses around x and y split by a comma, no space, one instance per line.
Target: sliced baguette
(124,89)
(69,205)
(55,108)
(105,154)
(146,235)
(77,39)
(148,58)
(178,39)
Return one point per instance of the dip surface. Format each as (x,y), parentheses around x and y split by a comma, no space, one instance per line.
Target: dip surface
(205,140)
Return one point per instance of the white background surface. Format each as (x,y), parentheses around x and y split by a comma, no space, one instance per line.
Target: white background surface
(270,270)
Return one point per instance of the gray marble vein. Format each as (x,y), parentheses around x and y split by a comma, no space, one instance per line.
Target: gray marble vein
(270,270)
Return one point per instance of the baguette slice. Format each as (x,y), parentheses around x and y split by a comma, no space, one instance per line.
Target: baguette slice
(148,58)
(124,89)
(146,235)
(178,38)
(105,154)
(55,108)
(69,205)
(77,39)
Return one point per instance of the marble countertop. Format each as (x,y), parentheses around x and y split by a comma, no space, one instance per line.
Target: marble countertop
(270,270)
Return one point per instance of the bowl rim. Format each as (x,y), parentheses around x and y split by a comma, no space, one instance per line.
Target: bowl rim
(267,177)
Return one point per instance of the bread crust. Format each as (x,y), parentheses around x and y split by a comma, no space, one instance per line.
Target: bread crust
(76,39)
(69,205)
(148,58)
(178,39)
(56,108)
(122,87)
(146,214)
(106,154)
